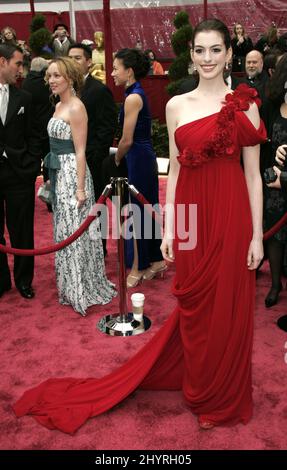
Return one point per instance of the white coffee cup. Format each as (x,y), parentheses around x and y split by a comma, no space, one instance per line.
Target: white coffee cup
(138,304)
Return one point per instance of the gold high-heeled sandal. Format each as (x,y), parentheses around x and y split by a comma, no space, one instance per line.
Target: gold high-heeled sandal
(150,273)
(133,281)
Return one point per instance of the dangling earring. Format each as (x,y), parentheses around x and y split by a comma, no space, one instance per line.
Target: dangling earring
(226,66)
(194,68)
(73,91)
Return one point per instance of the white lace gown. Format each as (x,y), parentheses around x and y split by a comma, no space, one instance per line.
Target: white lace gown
(80,269)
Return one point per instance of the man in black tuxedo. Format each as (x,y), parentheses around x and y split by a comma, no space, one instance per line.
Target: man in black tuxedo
(42,106)
(19,166)
(256,76)
(102,117)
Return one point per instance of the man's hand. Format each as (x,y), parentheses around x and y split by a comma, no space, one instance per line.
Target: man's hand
(276,184)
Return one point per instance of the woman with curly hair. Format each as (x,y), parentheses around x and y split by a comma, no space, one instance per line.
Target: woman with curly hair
(80,270)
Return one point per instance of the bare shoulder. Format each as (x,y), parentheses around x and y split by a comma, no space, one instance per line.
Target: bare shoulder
(133,98)
(77,108)
(76,105)
(174,104)
(179,100)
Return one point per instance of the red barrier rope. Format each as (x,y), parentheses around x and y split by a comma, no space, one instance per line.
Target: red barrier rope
(275,227)
(148,207)
(102,199)
(57,246)
(158,217)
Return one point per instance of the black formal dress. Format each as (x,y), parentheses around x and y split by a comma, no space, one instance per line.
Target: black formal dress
(17,185)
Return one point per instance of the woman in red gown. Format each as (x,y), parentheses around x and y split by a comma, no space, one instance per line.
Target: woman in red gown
(205,346)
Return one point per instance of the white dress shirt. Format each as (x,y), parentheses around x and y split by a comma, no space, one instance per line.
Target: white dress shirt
(4,100)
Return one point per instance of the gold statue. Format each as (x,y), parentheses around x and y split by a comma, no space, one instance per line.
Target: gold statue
(98,58)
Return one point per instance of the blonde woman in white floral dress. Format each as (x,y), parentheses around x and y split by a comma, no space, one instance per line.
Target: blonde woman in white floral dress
(80,270)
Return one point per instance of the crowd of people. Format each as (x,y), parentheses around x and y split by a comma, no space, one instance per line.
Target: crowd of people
(76,165)
(219,143)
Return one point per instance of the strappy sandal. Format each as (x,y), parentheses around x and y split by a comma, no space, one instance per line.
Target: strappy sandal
(133,281)
(150,273)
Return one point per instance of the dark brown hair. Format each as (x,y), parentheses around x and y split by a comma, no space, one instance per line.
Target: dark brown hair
(212,24)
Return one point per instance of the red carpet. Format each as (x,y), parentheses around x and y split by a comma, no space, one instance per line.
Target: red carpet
(41,339)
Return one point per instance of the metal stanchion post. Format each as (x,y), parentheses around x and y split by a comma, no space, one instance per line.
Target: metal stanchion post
(122,323)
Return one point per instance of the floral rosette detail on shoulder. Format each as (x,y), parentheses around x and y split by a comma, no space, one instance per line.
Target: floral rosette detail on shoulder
(242,96)
(222,142)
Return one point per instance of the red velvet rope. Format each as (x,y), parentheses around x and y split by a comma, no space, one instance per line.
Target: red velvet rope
(148,207)
(158,217)
(59,246)
(275,227)
(85,225)
(56,246)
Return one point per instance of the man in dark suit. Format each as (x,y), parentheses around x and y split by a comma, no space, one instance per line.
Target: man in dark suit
(256,76)
(43,109)
(19,166)
(102,116)
(42,106)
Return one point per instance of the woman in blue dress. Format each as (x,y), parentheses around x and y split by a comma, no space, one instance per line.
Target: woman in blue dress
(143,253)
